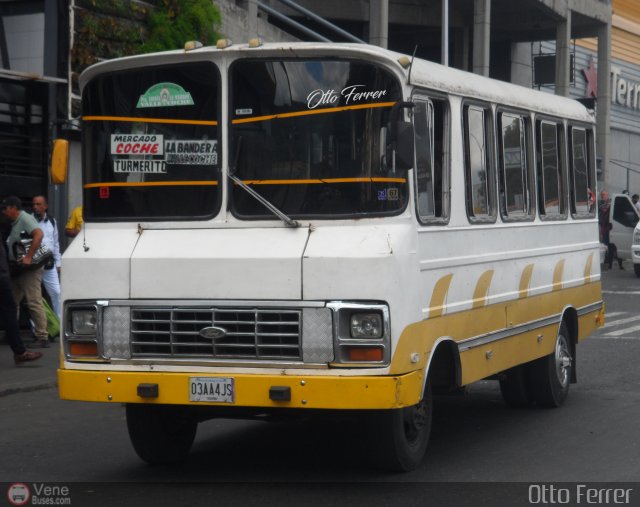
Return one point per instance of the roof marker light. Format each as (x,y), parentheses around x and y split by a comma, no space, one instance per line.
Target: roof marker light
(192,44)
(405,61)
(256,42)
(223,43)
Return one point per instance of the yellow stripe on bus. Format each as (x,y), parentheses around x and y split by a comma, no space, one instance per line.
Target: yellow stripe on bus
(482,289)
(525,281)
(149,120)
(152,184)
(311,111)
(587,269)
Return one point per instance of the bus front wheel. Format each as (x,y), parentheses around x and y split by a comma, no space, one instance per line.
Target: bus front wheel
(160,434)
(550,376)
(397,439)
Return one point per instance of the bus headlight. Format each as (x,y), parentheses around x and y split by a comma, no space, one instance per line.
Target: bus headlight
(362,334)
(636,236)
(84,322)
(366,325)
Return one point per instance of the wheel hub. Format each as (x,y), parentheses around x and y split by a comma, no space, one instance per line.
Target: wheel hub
(563,360)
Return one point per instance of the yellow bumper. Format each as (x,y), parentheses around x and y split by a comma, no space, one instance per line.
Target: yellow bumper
(312,392)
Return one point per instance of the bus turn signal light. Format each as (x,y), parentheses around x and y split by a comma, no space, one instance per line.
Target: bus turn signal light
(365,354)
(87,349)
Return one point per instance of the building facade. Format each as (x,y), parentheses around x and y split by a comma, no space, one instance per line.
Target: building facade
(624,139)
(489,37)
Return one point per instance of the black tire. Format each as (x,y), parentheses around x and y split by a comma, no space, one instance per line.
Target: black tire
(636,269)
(397,439)
(160,434)
(549,377)
(514,387)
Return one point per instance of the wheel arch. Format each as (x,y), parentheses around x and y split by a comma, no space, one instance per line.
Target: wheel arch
(570,318)
(444,368)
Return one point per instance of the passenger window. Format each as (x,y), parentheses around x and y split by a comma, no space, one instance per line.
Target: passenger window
(514,167)
(551,201)
(582,173)
(477,131)
(430,126)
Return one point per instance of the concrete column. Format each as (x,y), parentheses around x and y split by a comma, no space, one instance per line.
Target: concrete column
(252,19)
(445,33)
(604,98)
(481,36)
(563,56)
(379,23)
(521,64)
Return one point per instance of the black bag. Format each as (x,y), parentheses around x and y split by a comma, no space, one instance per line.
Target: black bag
(42,257)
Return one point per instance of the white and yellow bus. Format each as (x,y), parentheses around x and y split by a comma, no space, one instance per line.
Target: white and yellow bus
(286,228)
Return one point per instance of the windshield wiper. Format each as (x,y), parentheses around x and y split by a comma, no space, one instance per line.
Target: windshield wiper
(288,221)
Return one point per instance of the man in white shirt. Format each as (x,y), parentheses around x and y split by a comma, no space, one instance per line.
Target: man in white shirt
(635,199)
(50,276)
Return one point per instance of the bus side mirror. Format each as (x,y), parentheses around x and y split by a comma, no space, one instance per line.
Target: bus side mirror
(59,161)
(404,141)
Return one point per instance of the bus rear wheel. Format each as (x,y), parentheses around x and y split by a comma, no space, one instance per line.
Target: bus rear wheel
(397,439)
(160,434)
(550,376)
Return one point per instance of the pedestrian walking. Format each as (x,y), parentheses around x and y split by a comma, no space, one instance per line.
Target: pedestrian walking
(9,314)
(51,273)
(27,281)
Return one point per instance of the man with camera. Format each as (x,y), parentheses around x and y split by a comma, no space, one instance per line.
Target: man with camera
(27,279)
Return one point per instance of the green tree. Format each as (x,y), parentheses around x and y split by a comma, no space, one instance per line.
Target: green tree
(175,22)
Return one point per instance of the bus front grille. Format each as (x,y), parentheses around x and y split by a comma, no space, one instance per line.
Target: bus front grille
(238,333)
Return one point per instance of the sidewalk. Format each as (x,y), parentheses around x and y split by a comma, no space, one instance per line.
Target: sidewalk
(40,374)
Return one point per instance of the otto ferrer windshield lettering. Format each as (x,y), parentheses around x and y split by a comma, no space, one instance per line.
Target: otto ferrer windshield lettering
(350,95)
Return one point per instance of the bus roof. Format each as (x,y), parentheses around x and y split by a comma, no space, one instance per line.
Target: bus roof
(424,73)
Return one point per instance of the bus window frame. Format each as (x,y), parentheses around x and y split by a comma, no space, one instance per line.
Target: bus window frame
(561,136)
(230,97)
(591,169)
(530,180)
(490,160)
(429,97)
(219,137)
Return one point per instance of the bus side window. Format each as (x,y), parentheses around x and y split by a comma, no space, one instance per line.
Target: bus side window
(550,181)
(430,127)
(582,172)
(514,178)
(478,159)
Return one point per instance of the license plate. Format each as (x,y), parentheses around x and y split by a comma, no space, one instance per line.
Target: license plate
(212,389)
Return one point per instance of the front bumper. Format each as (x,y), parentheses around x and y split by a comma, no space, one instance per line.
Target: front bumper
(310,392)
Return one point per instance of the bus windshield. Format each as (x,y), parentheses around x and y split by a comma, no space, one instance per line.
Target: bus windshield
(151,143)
(313,138)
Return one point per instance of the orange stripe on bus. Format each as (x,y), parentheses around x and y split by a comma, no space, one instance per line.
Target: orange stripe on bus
(311,111)
(152,184)
(328,180)
(246,182)
(149,120)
